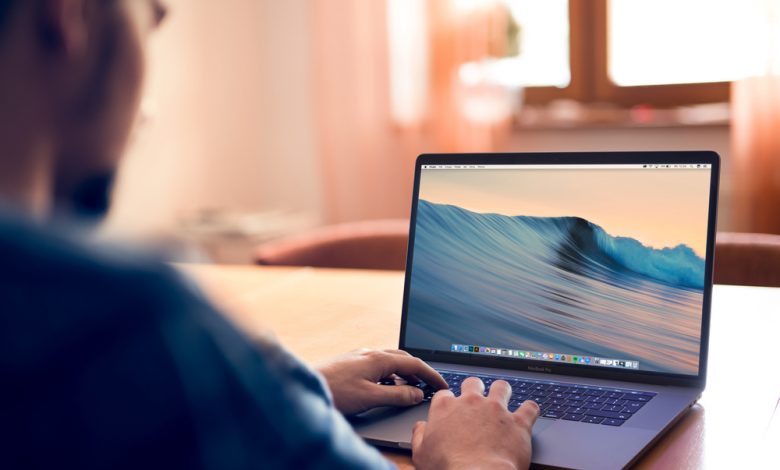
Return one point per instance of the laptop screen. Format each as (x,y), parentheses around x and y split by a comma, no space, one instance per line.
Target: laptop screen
(594,265)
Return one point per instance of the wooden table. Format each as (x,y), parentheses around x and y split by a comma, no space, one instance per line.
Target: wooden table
(318,313)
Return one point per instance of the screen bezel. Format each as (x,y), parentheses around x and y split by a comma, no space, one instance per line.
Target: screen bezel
(570,158)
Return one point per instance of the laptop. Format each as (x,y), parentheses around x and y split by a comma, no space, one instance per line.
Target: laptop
(583,279)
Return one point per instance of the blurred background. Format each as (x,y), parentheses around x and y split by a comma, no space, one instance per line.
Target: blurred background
(267,118)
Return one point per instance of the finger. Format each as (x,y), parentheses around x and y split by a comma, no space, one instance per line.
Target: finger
(399,352)
(398,395)
(392,379)
(441,397)
(408,365)
(527,413)
(417,435)
(472,385)
(500,390)
(402,380)
(411,379)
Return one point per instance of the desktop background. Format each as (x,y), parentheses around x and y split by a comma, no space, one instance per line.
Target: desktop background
(598,262)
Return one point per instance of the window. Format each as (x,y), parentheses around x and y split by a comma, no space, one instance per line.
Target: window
(542,51)
(686,51)
(631,52)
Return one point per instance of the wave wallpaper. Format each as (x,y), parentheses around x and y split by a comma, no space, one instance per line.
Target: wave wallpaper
(561,284)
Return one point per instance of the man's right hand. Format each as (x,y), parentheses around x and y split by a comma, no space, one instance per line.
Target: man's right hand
(473,431)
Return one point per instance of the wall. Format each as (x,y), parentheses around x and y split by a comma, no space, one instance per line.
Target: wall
(230,123)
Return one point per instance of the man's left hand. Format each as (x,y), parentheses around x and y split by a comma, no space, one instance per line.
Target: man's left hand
(353,378)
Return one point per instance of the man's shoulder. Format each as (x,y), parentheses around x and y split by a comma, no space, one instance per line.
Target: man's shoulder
(56,287)
(68,254)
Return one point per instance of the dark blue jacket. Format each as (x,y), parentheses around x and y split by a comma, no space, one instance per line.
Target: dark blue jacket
(108,359)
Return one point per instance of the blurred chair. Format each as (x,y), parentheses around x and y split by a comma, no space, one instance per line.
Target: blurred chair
(747,259)
(740,258)
(371,244)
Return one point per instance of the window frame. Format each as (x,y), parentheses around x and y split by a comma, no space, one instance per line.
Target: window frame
(590,81)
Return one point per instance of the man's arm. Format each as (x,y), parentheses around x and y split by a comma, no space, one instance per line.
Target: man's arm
(256,400)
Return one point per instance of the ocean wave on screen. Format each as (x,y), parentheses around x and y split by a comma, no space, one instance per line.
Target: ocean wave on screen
(551,284)
(588,243)
(679,265)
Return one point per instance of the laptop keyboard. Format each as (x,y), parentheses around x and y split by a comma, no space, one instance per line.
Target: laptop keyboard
(557,400)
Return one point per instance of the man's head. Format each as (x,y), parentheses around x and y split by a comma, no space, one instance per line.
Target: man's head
(70,87)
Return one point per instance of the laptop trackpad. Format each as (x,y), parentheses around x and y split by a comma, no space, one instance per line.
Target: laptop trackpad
(393,426)
(541,425)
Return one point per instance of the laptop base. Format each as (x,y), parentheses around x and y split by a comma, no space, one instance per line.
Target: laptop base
(556,443)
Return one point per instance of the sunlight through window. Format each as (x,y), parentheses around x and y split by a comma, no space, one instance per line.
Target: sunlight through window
(696,41)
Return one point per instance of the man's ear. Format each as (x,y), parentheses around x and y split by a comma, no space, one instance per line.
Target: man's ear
(64,27)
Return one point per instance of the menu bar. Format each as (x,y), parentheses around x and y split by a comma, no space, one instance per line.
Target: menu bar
(646,166)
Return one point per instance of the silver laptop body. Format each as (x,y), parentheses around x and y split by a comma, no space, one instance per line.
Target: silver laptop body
(576,272)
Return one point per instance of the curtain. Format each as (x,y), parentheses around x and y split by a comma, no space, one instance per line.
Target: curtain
(755,165)
(387,87)
(755,128)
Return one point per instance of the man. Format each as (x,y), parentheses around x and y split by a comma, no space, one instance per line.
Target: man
(108,359)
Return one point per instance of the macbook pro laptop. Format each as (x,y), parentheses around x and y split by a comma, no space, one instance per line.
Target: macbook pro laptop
(583,279)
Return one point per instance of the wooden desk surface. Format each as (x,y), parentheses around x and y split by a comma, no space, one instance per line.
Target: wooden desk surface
(317,313)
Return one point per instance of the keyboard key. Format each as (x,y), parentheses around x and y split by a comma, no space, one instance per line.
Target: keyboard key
(613,422)
(603,414)
(573,416)
(615,401)
(634,405)
(612,408)
(552,414)
(592,420)
(638,396)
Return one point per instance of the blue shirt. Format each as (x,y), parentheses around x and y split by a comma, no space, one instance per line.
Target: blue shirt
(110,360)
